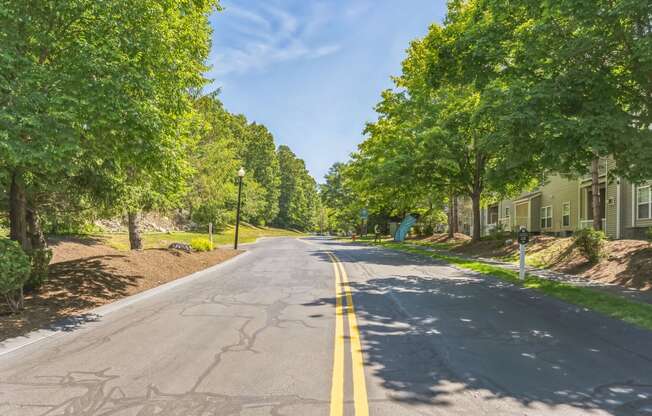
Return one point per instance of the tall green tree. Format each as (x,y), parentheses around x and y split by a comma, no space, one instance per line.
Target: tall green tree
(258,155)
(578,73)
(340,206)
(298,203)
(97,87)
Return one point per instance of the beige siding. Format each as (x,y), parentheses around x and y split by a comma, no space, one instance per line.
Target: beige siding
(555,193)
(625,207)
(535,212)
(611,209)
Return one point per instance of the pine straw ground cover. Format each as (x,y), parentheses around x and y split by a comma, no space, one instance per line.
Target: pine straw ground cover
(86,273)
(626,262)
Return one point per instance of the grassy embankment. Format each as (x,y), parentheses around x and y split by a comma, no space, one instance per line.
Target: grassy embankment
(248,234)
(612,305)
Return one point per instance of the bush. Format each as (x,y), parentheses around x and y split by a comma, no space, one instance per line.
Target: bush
(212,213)
(40,261)
(201,244)
(649,234)
(14,271)
(498,233)
(591,244)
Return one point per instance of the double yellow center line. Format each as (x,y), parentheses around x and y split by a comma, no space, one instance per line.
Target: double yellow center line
(344,308)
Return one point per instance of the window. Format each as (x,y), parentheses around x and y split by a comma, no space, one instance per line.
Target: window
(566,214)
(493,215)
(507,213)
(546,217)
(644,202)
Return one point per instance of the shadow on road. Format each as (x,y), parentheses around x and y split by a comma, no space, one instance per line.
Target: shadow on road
(447,337)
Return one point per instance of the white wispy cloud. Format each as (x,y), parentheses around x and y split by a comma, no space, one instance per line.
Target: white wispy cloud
(269,35)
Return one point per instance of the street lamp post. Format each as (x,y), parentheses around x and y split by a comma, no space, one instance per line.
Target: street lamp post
(241,174)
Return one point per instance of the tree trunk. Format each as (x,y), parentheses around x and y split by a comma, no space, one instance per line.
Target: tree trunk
(34,230)
(456,215)
(451,220)
(595,189)
(477,226)
(135,240)
(18,212)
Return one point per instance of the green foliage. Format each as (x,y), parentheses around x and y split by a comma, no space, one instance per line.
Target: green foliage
(341,207)
(40,261)
(649,234)
(201,244)
(574,76)
(212,212)
(590,243)
(227,142)
(498,232)
(14,271)
(299,201)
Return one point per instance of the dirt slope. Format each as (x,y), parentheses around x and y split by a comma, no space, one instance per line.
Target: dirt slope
(86,274)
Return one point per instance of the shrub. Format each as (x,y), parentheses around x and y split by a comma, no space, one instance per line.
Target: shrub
(590,244)
(201,244)
(40,260)
(649,234)
(14,271)
(498,233)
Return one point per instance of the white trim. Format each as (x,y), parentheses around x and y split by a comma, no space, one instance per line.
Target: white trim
(649,202)
(618,218)
(579,201)
(634,205)
(606,194)
(527,198)
(570,211)
(541,218)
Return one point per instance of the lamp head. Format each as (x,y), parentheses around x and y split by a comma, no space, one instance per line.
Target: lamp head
(241,172)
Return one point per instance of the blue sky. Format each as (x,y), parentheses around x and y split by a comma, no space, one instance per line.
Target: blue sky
(312,70)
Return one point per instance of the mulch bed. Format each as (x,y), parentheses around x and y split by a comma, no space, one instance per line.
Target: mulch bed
(85,274)
(628,262)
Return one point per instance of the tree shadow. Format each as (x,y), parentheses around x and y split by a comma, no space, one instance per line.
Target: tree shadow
(73,286)
(54,241)
(435,340)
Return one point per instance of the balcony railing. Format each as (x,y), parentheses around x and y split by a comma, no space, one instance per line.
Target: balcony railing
(589,224)
(602,171)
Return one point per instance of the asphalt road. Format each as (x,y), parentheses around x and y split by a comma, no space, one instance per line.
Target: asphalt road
(316,327)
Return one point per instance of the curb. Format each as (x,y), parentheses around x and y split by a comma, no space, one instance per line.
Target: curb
(61,327)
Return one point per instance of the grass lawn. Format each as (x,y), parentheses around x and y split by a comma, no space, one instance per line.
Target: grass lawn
(248,234)
(636,313)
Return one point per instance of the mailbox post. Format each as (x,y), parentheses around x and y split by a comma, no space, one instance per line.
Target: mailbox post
(523,239)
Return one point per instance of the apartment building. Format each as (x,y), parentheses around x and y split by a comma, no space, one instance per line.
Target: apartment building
(563,205)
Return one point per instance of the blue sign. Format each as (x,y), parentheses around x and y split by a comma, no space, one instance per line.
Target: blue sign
(364,214)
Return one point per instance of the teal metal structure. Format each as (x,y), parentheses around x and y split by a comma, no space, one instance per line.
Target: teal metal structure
(403,229)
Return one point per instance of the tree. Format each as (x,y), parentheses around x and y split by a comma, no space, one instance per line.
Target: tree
(338,199)
(258,155)
(96,87)
(579,72)
(298,202)
(441,128)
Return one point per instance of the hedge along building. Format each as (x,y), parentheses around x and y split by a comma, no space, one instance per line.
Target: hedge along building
(563,205)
